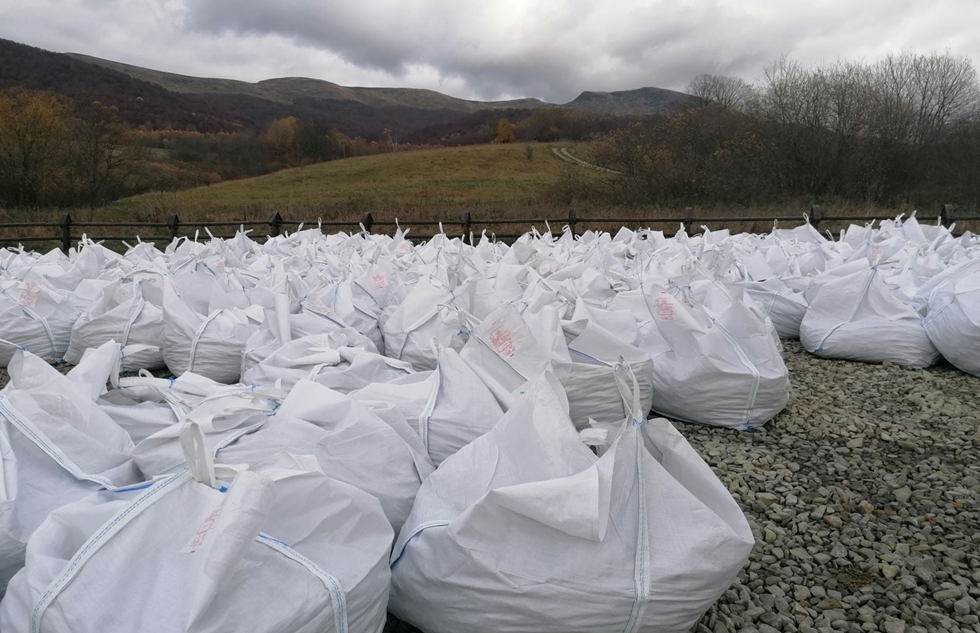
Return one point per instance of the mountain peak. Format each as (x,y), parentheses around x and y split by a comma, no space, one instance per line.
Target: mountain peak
(641,101)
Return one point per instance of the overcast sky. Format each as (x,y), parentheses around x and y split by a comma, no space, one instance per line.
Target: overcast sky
(484,49)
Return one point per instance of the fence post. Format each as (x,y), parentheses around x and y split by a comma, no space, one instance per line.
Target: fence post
(367,221)
(466,221)
(66,233)
(275,223)
(816,215)
(572,219)
(946,215)
(173,223)
(688,219)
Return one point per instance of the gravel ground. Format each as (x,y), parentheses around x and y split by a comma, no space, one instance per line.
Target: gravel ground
(864,497)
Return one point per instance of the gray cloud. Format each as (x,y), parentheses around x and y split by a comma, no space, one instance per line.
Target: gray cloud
(552,49)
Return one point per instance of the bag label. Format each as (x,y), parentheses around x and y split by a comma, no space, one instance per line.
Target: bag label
(200,538)
(28,295)
(321,307)
(502,341)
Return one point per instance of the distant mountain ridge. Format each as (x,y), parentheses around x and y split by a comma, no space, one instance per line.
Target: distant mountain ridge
(155,99)
(289,89)
(641,101)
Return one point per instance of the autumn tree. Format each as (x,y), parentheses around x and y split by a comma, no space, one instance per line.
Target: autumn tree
(33,127)
(282,139)
(505,131)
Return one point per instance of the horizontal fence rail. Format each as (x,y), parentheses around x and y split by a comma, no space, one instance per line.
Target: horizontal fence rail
(68,231)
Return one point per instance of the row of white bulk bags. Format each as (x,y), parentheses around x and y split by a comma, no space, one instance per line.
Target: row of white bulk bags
(526,530)
(278,547)
(56,446)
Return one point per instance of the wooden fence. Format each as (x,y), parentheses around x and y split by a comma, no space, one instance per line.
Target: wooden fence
(68,231)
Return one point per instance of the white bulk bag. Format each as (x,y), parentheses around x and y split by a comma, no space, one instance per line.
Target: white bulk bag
(582,355)
(448,407)
(280,548)
(719,366)
(129,312)
(56,446)
(859,317)
(86,293)
(280,327)
(952,318)
(140,416)
(144,405)
(817,282)
(336,303)
(223,416)
(36,318)
(328,359)
(207,344)
(784,306)
(350,443)
(527,531)
(66,272)
(590,383)
(505,353)
(434,310)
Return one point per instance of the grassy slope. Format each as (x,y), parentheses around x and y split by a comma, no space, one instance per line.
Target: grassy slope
(485,176)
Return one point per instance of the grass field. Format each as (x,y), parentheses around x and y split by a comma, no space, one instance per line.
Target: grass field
(486,177)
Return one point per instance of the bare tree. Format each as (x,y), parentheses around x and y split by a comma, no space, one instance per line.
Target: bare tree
(100,155)
(726,91)
(919,97)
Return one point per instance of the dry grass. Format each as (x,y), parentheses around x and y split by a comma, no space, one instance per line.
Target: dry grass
(416,183)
